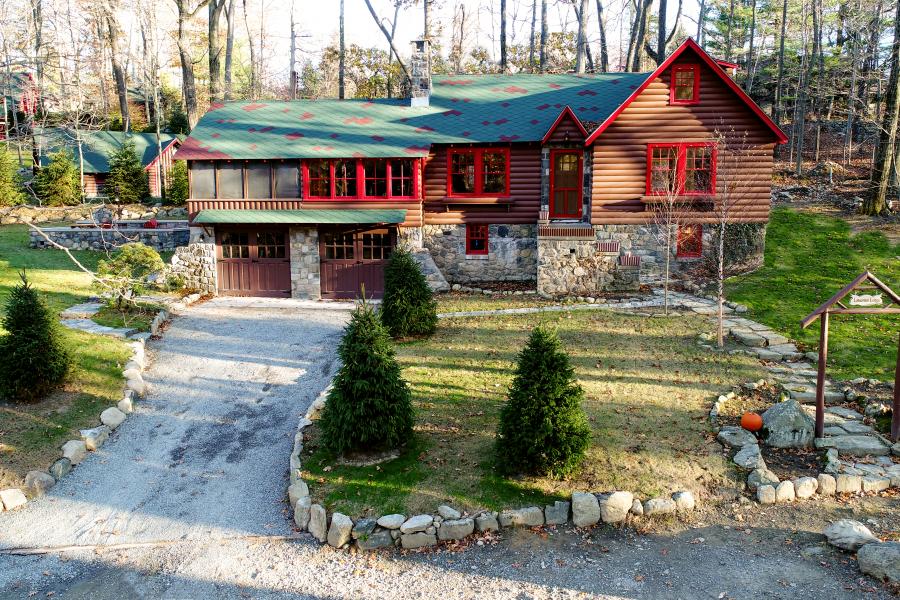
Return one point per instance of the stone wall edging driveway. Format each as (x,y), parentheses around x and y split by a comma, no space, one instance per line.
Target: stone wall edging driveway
(37,483)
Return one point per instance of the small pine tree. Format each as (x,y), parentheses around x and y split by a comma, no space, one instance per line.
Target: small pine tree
(177,188)
(35,360)
(10,181)
(368,407)
(177,121)
(408,307)
(543,429)
(59,182)
(127,180)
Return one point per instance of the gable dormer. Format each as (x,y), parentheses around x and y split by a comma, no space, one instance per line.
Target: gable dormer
(565,129)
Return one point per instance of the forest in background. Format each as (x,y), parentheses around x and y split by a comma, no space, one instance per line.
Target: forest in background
(826,70)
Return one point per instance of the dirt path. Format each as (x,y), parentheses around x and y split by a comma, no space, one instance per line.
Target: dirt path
(205,454)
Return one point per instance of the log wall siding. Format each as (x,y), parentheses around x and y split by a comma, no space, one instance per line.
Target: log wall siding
(93,184)
(566,128)
(524,191)
(620,153)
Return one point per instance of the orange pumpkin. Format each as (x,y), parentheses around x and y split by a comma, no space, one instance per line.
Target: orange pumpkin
(751,421)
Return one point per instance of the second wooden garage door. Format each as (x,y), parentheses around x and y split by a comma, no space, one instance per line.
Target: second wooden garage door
(353,259)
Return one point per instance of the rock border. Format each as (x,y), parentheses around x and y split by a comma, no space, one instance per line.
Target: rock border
(37,483)
(585,509)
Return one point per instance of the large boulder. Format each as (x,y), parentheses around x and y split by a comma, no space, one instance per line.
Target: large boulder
(786,425)
(456,529)
(749,457)
(585,509)
(855,445)
(881,560)
(848,534)
(614,507)
(340,530)
(37,483)
(735,437)
(532,516)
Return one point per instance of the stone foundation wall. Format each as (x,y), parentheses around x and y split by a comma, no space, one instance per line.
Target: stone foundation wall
(45,214)
(90,238)
(512,253)
(575,267)
(196,263)
(305,273)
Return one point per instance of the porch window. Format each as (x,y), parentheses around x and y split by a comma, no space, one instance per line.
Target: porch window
(360,178)
(259,180)
(478,171)
(685,86)
(477,239)
(683,169)
(231,180)
(203,179)
(375,172)
(690,241)
(319,178)
(235,245)
(287,180)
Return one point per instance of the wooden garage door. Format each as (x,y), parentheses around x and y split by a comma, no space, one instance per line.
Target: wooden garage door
(253,262)
(351,259)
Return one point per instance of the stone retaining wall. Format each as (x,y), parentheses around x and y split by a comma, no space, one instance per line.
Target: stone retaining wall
(46,214)
(196,265)
(95,238)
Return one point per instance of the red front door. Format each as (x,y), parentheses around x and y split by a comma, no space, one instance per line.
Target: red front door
(565,184)
(352,259)
(253,262)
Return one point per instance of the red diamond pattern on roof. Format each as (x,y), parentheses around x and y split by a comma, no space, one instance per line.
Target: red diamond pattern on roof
(358,120)
(252,107)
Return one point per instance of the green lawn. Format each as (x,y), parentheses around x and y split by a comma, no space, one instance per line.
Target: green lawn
(648,391)
(30,435)
(808,259)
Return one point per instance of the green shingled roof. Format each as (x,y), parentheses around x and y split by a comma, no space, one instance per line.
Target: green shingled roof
(98,146)
(463,108)
(324,216)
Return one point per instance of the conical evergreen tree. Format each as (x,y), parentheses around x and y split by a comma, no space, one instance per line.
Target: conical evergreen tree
(59,182)
(35,359)
(408,307)
(127,180)
(369,406)
(10,181)
(543,429)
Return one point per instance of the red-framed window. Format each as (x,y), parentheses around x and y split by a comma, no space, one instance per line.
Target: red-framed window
(478,172)
(361,179)
(687,169)
(565,184)
(685,85)
(690,241)
(477,239)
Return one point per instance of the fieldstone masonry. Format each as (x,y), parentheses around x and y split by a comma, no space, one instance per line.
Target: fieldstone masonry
(512,253)
(196,262)
(305,274)
(94,238)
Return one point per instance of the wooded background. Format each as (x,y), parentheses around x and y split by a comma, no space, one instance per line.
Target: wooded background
(826,70)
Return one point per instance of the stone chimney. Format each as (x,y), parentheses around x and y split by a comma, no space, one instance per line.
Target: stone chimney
(420,73)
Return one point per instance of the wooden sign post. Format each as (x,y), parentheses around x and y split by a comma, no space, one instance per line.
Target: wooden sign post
(859,304)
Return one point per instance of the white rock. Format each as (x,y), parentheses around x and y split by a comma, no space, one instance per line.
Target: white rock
(881,560)
(684,501)
(827,485)
(132,373)
(585,509)
(848,484)
(735,437)
(126,405)
(95,437)
(112,417)
(75,451)
(391,521)
(531,516)
(785,492)
(417,540)
(614,507)
(340,530)
(318,522)
(447,512)
(456,529)
(805,487)
(137,386)
(749,457)
(302,512)
(12,498)
(848,534)
(296,491)
(874,483)
(765,494)
(637,509)
(659,506)
(416,524)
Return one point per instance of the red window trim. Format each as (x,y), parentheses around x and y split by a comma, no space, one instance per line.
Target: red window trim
(360,181)
(697,234)
(580,180)
(685,67)
(483,234)
(479,166)
(680,167)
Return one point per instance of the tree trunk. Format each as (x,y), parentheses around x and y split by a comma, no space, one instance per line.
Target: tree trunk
(885,158)
(215,49)
(604,50)
(531,45)
(729,33)
(388,37)
(426,13)
(113,34)
(749,64)
(661,33)
(390,77)
(701,21)
(503,58)
(544,36)
(640,36)
(254,71)
(580,40)
(229,46)
(188,83)
(779,83)
(341,55)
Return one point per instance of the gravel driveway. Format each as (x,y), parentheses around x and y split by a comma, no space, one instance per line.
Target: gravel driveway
(205,454)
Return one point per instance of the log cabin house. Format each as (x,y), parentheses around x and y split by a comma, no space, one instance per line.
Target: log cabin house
(549,179)
(98,147)
(20,96)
